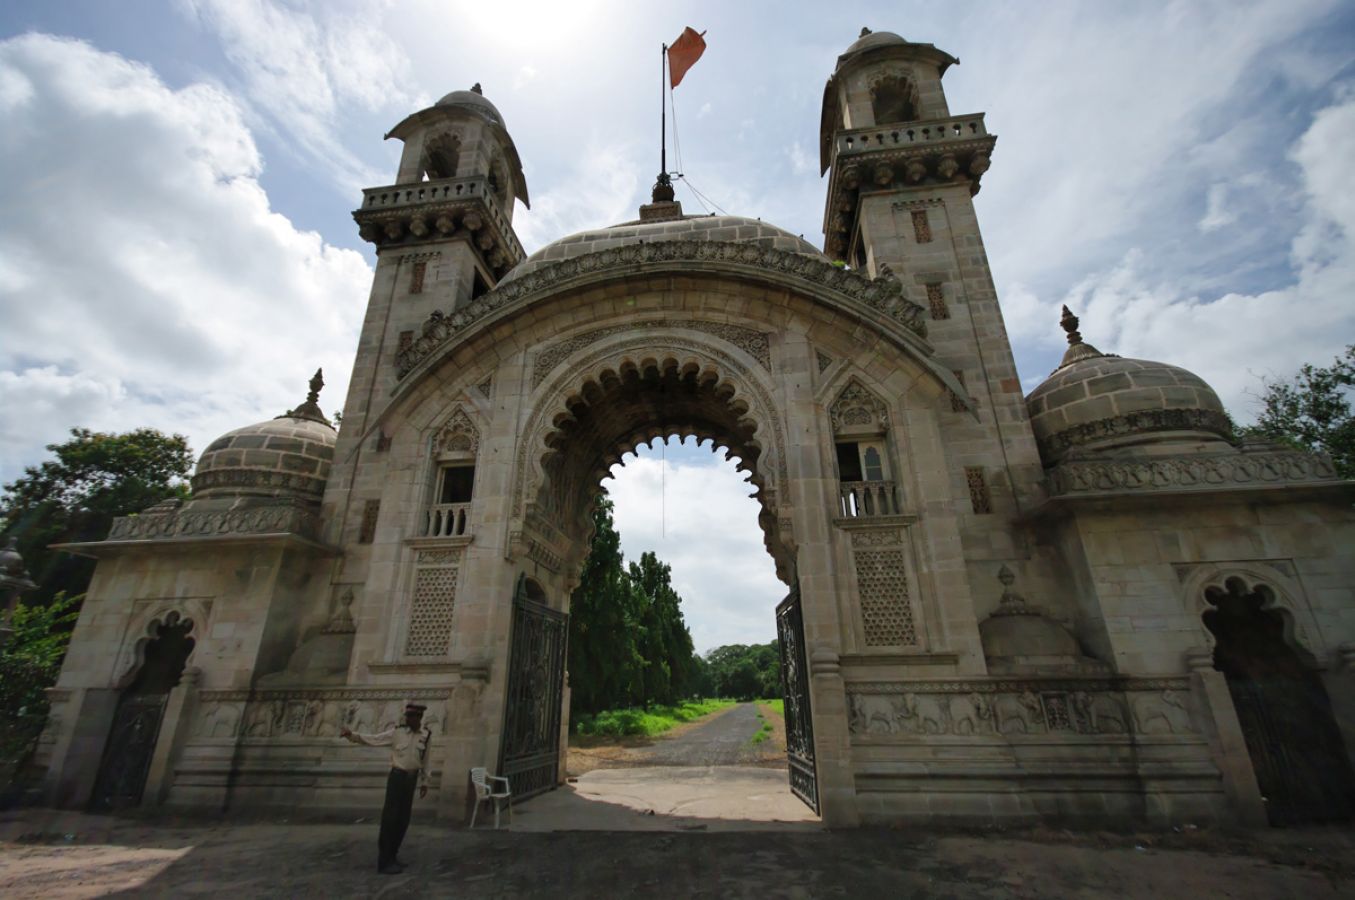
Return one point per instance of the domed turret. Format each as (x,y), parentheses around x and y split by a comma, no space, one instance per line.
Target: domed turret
(473,99)
(286,456)
(1098,401)
(1022,639)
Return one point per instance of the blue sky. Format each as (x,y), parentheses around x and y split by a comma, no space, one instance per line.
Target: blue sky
(176,179)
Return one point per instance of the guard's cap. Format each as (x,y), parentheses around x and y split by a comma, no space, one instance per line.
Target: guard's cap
(414,708)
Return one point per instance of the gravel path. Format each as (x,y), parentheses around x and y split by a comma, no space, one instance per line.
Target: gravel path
(724,740)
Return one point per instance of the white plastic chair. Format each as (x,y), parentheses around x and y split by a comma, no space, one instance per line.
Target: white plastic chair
(485,792)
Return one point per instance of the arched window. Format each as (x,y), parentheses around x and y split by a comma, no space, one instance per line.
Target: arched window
(440,157)
(894,99)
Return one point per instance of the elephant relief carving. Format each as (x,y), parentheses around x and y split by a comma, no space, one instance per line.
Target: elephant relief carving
(392,714)
(968,713)
(311,719)
(266,718)
(1014,713)
(926,712)
(220,720)
(875,714)
(1102,713)
(330,720)
(360,717)
(1163,713)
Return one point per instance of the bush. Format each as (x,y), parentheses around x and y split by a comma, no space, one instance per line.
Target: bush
(649,722)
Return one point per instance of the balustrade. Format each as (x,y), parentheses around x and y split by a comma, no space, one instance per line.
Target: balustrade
(858,499)
(447,520)
(862,140)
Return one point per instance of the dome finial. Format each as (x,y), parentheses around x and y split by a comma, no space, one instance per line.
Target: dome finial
(311,408)
(476,89)
(864,31)
(1077,348)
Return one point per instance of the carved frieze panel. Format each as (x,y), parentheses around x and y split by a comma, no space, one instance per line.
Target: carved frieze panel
(1194,472)
(301,714)
(1052,707)
(281,516)
(881,295)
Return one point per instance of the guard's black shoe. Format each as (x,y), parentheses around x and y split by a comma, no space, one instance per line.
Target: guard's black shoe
(393,868)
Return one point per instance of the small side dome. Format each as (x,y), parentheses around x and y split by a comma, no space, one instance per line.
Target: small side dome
(287,456)
(1098,401)
(472,99)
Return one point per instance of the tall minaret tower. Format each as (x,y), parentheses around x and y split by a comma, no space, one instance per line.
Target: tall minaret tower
(444,236)
(443,232)
(902,174)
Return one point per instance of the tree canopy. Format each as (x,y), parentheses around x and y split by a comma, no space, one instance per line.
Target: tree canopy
(628,642)
(1311,411)
(745,671)
(94,478)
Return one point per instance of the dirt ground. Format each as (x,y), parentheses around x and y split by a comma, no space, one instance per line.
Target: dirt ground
(587,754)
(49,854)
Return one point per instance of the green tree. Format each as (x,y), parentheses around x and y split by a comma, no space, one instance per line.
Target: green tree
(29,663)
(666,646)
(1311,411)
(604,654)
(94,478)
(745,671)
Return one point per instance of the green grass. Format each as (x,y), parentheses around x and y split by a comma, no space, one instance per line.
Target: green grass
(763,732)
(648,722)
(778,706)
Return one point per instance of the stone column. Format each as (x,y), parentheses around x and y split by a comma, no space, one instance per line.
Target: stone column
(1340,685)
(1209,691)
(462,747)
(174,726)
(832,743)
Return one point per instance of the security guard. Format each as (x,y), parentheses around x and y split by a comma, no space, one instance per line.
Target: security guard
(409,755)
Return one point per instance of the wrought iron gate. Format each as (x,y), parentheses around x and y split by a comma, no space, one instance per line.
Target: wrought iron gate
(790,631)
(127,756)
(529,754)
(1295,749)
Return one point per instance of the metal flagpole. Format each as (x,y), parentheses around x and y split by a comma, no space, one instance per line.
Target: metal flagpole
(663,114)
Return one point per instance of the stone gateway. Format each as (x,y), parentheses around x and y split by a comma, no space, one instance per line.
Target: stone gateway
(1091,603)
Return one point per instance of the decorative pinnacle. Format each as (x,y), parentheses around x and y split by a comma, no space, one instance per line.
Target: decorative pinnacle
(1012,603)
(865,31)
(311,408)
(342,620)
(476,89)
(1078,349)
(316,383)
(1069,323)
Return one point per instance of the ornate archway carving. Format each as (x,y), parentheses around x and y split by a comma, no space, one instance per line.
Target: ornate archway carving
(147,618)
(724,401)
(1279,592)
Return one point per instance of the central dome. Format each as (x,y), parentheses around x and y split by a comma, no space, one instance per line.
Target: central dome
(733,229)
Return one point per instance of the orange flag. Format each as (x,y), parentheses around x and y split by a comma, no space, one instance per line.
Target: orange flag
(684,53)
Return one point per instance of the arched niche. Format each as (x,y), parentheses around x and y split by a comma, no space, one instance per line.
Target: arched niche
(147,624)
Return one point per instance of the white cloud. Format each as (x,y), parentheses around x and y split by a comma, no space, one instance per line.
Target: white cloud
(1234,339)
(144,278)
(601,191)
(302,69)
(526,75)
(1218,214)
(701,520)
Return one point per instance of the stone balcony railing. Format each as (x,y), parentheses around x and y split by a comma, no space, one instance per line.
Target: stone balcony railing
(860,499)
(911,134)
(420,209)
(447,520)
